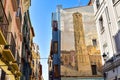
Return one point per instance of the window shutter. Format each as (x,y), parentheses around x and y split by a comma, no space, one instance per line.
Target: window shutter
(56,71)
(117,41)
(55,47)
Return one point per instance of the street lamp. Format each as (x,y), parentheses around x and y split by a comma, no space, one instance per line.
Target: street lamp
(104,56)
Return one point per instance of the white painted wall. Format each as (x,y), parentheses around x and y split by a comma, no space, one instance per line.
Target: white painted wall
(110,30)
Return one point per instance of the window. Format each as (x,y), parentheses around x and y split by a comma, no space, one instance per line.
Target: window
(113,70)
(105,74)
(56,71)
(10,21)
(55,25)
(97,4)
(101,24)
(50,63)
(18,2)
(33,62)
(107,14)
(55,46)
(119,24)
(3,2)
(117,9)
(117,42)
(94,70)
(2,74)
(9,18)
(94,41)
(114,1)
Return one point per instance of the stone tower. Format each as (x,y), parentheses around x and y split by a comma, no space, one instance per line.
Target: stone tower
(83,61)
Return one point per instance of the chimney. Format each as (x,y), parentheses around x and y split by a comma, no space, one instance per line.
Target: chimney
(90,3)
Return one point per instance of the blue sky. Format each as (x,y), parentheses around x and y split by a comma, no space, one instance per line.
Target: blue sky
(40,14)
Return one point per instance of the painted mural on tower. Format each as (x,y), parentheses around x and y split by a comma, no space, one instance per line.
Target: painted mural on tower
(80,54)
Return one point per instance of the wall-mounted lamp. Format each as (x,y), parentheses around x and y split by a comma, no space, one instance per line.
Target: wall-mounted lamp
(104,56)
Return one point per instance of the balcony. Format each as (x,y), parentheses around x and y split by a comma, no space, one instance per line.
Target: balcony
(18,18)
(112,63)
(9,49)
(14,68)
(3,24)
(15,4)
(3,33)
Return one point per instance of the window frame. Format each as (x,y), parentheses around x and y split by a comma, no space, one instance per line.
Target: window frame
(101,24)
(94,69)
(94,43)
(56,71)
(54,25)
(55,47)
(97,4)
(117,39)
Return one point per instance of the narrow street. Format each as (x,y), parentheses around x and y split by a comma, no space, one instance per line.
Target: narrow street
(59,40)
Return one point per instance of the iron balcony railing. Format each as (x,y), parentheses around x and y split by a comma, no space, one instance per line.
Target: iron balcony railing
(4,29)
(112,63)
(3,20)
(11,43)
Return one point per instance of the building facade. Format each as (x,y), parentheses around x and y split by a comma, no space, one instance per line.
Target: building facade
(50,64)
(75,45)
(55,47)
(37,67)
(107,16)
(16,41)
(79,44)
(26,51)
(54,57)
(11,39)
(40,72)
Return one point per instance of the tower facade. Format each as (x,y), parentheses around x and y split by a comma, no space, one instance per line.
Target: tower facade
(83,62)
(80,54)
(75,50)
